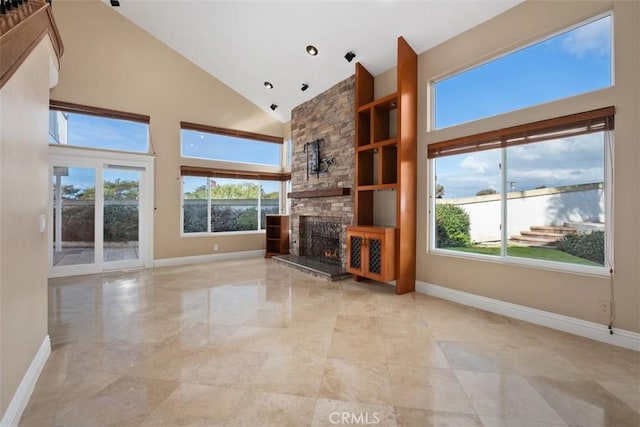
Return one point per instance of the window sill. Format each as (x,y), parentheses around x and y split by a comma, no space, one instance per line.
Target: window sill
(558,267)
(222,233)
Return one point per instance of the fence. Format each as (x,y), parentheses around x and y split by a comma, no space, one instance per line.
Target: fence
(546,206)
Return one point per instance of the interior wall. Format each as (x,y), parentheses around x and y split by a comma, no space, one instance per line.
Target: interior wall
(24,189)
(569,294)
(111,63)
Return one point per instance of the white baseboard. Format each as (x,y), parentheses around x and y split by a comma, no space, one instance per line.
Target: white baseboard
(200,259)
(22,395)
(583,328)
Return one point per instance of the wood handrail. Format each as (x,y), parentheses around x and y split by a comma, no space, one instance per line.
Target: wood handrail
(21,29)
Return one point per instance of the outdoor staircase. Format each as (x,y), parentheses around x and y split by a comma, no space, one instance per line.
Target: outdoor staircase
(541,235)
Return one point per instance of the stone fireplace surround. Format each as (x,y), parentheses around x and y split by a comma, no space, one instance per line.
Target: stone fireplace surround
(330,117)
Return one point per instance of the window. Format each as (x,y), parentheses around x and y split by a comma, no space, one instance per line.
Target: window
(567,64)
(213,205)
(204,142)
(90,127)
(538,191)
(232,198)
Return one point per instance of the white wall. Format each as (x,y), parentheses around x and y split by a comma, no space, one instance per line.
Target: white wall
(24,184)
(548,206)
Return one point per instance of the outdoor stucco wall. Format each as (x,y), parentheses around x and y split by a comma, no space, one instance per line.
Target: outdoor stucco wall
(111,63)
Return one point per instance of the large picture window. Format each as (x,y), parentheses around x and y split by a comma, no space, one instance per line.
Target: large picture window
(212,205)
(576,61)
(538,192)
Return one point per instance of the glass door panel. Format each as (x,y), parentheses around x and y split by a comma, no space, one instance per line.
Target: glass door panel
(121,214)
(74,206)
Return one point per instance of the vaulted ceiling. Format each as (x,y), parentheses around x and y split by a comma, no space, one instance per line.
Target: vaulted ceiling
(247,43)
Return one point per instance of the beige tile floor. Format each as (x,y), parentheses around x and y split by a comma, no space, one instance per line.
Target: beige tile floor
(253,343)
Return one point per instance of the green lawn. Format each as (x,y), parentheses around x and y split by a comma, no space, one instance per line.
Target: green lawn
(528,252)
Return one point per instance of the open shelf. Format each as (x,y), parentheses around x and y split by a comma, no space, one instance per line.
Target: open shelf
(277,235)
(386,147)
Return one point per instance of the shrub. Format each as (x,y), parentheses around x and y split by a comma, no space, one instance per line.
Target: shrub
(584,245)
(452,226)
(120,223)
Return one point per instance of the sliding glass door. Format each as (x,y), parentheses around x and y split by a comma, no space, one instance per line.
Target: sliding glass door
(100,216)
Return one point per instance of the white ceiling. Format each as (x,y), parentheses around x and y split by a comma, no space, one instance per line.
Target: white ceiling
(245,43)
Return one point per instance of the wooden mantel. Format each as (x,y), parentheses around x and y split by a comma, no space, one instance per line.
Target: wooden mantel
(21,29)
(324,192)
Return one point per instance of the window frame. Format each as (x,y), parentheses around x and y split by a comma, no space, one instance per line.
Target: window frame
(245,171)
(503,257)
(105,113)
(491,58)
(233,133)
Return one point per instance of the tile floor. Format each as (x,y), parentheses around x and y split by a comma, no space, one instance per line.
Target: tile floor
(254,343)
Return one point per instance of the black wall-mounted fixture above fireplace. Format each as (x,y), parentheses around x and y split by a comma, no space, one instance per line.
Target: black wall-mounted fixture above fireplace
(316,164)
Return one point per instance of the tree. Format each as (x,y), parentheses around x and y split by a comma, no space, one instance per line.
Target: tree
(439,191)
(486,191)
(241,190)
(113,190)
(69,191)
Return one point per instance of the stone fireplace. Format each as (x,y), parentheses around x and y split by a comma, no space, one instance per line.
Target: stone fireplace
(322,205)
(321,239)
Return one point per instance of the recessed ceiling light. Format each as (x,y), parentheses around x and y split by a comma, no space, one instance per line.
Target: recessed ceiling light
(349,56)
(268,85)
(304,87)
(273,107)
(312,50)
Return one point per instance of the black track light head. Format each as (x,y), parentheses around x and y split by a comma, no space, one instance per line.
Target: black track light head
(273,107)
(304,87)
(115,3)
(349,56)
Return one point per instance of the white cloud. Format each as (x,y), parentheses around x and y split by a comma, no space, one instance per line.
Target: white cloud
(593,38)
(474,164)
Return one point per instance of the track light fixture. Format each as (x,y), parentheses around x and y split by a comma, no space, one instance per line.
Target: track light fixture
(115,3)
(273,107)
(312,50)
(349,56)
(268,85)
(304,87)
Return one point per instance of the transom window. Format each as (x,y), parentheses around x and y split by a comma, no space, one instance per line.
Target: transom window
(205,142)
(576,61)
(91,127)
(539,192)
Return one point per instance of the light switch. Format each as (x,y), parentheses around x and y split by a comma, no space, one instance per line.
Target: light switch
(43,223)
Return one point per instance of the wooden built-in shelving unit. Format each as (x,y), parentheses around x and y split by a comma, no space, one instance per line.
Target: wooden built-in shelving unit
(277,235)
(386,159)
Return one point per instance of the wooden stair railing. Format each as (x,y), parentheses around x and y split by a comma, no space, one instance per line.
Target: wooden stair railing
(23,24)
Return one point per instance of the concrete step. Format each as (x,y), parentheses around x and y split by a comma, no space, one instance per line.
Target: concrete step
(553,229)
(534,240)
(543,234)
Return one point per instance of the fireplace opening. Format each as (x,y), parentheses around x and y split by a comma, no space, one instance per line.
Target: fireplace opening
(320,239)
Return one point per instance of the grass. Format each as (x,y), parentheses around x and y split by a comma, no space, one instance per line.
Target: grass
(546,254)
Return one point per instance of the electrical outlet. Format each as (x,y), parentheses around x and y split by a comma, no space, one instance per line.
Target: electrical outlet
(604,307)
(215,247)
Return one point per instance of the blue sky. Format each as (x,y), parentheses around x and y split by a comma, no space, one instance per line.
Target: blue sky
(569,64)
(575,62)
